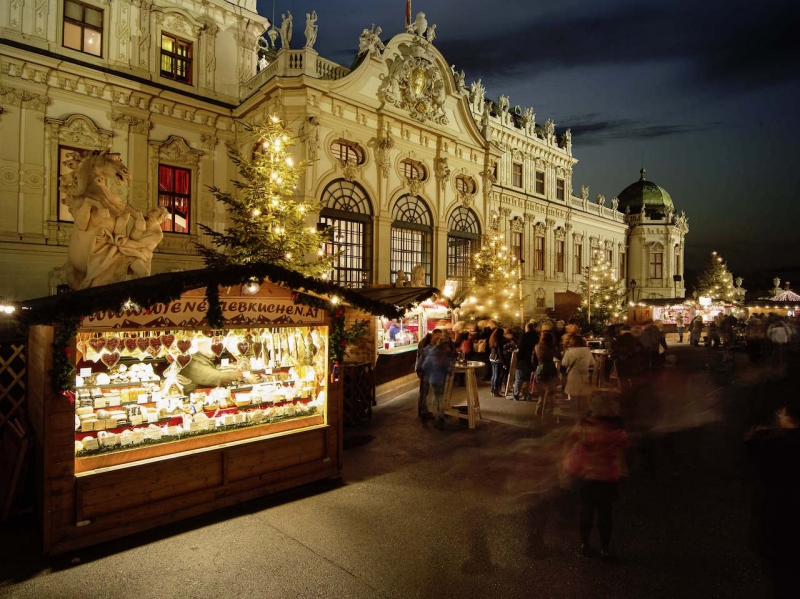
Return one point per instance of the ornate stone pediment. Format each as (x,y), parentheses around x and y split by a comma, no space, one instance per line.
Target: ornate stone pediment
(518,224)
(176,150)
(350,169)
(415,83)
(560,234)
(79,130)
(540,229)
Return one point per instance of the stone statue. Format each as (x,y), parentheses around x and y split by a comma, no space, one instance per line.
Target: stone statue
(401,279)
(614,203)
(459,79)
(418,276)
(273,36)
(286,30)
(311,132)
(568,141)
(668,215)
(502,104)
(529,120)
(262,63)
(601,199)
(628,209)
(442,171)
(644,212)
(549,128)
(485,117)
(430,33)
(419,26)
(101,251)
(370,41)
(311,29)
(382,147)
(584,192)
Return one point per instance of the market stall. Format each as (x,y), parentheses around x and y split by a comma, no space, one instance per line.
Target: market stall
(152,414)
(665,310)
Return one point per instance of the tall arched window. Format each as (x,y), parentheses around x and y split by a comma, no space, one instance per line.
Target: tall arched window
(463,240)
(412,236)
(348,212)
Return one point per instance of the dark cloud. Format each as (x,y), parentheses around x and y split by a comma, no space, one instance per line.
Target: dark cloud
(726,44)
(593,130)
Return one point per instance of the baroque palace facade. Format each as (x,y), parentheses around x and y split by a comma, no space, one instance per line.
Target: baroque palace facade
(412,165)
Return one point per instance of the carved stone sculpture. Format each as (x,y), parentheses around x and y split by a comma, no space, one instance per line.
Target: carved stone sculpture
(101,250)
(549,128)
(311,132)
(584,192)
(381,146)
(529,120)
(442,171)
(668,215)
(430,33)
(370,41)
(401,279)
(459,79)
(614,203)
(601,200)
(311,29)
(418,276)
(419,26)
(476,95)
(262,63)
(568,141)
(286,30)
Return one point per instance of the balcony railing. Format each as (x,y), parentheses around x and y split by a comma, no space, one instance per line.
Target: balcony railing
(290,63)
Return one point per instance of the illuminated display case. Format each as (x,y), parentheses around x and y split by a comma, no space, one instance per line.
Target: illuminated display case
(170,419)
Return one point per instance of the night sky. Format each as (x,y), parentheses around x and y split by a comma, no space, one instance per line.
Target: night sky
(705,94)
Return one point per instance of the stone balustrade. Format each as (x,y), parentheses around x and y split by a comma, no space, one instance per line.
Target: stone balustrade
(290,63)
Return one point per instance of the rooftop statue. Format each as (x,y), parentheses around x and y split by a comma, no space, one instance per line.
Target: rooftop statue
(419,26)
(311,29)
(286,30)
(370,41)
(430,33)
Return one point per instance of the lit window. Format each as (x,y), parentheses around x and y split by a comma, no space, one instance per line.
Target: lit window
(577,258)
(175,194)
(540,182)
(538,256)
(346,151)
(516,174)
(656,265)
(348,214)
(560,255)
(463,241)
(414,170)
(411,241)
(83,28)
(609,255)
(559,189)
(176,59)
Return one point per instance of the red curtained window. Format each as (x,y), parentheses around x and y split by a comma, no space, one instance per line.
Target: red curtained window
(174,193)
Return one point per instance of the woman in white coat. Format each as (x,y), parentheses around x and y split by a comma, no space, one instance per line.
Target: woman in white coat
(576,361)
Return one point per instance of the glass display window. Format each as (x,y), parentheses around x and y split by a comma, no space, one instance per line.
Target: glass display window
(150,393)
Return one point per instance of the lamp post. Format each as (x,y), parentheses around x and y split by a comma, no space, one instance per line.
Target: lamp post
(633,290)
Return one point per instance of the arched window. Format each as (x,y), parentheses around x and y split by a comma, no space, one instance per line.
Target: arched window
(412,236)
(346,151)
(348,213)
(463,240)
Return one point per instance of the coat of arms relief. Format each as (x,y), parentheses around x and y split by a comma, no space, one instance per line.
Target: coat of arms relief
(415,83)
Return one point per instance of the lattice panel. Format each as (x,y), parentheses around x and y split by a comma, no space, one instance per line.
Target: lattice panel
(359,392)
(12,380)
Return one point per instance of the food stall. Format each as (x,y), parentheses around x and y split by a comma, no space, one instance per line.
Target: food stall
(148,415)
(665,310)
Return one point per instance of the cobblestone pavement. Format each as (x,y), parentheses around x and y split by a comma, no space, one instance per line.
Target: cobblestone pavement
(465,513)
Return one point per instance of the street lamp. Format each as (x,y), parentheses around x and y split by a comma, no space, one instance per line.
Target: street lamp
(633,290)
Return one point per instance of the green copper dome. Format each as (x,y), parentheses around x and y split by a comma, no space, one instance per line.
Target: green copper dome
(645,193)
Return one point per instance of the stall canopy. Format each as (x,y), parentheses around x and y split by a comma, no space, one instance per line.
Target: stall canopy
(786,296)
(166,287)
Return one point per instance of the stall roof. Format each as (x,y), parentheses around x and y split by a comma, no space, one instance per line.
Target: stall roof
(663,301)
(166,287)
(770,304)
(399,296)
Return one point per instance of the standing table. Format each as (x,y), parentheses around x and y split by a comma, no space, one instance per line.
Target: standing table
(599,374)
(473,402)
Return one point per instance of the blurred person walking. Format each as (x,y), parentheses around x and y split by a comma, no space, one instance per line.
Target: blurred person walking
(577,361)
(545,374)
(593,460)
(437,366)
(424,345)
(496,342)
(527,343)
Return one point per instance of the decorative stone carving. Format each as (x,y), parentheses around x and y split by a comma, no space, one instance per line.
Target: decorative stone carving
(577,237)
(414,183)
(40,9)
(502,106)
(560,234)
(210,30)
(285,30)
(350,169)
(668,215)
(458,78)
(540,229)
(585,197)
(177,23)
(476,95)
(487,107)
(529,121)
(370,41)
(549,129)
(418,276)
(601,200)
(24,99)
(209,142)
(311,29)
(145,9)
(614,203)
(126,122)
(414,83)
(568,141)
(430,33)
(488,177)
(682,222)
(419,26)
(442,172)
(381,147)
(644,212)
(79,130)
(518,224)
(310,130)
(176,150)
(550,223)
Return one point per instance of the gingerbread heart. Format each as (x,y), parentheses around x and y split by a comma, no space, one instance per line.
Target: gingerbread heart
(155,343)
(110,359)
(98,343)
(170,358)
(243,346)
(257,346)
(130,343)
(152,351)
(167,340)
(208,333)
(141,343)
(183,360)
(113,343)
(218,347)
(184,345)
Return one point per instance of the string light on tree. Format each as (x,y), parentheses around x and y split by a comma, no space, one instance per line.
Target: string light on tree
(602,295)
(715,280)
(268,219)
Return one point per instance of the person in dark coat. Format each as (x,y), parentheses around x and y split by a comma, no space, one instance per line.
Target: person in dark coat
(437,366)
(775,521)
(527,342)
(427,341)
(496,342)
(628,352)
(545,371)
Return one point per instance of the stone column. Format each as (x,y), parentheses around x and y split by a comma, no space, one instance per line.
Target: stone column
(381,259)
(549,250)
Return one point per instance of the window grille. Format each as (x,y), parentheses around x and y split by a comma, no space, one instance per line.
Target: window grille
(176,59)
(463,240)
(411,237)
(348,213)
(345,151)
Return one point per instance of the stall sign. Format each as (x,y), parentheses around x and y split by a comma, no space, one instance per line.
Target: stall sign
(190,312)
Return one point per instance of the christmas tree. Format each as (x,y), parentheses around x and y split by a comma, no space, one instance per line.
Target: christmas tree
(602,296)
(494,286)
(269,219)
(715,280)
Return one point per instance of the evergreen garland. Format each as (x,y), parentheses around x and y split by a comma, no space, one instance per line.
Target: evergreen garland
(340,336)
